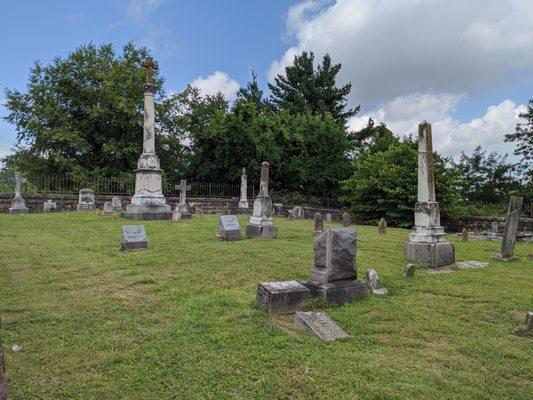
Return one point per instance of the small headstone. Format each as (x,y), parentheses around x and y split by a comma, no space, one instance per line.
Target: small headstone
(98,211)
(374,284)
(290,215)
(278,209)
(528,325)
(86,200)
(346,219)
(298,212)
(511,227)
(494,226)
(229,228)
(319,223)
(176,216)
(116,204)
(49,206)
(114,216)
(328,217)
(321,325)
(133,238)
(470,264)
(464,234)
(284,297)
(409,270)
(382,226)
(108,208)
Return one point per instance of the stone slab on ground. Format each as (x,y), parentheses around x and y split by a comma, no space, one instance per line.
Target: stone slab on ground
(229,228)
(284,297)
(133,238)
(321,325)
(470,264)
(380,292)
(337,292)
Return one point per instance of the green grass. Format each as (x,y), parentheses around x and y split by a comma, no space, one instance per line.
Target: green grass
(179,322)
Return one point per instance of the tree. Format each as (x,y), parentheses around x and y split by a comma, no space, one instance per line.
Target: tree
(305,89)
(384,184)
(81,115)
(523,136)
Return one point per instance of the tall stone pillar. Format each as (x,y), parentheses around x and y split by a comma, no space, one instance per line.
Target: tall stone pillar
(428,243)
(148,201)
(243,202)
(511,227)
(262,221)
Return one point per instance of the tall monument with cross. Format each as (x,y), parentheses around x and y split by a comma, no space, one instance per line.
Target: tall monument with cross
(148,201)
(182,205)
(428,243)
(262,221)
(18,205)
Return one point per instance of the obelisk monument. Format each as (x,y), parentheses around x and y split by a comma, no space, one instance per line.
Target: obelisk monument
(262,222)
(243,202)
(148,201)
(428,242)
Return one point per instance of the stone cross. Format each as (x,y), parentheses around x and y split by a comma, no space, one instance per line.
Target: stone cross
(18,182)
(263,185)
(183,187)
(150,66)
(511,226)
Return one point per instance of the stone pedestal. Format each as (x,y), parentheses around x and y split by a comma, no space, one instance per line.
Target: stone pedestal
(337,292)
(431,254)
(261,232)
(285,297)
(18,206)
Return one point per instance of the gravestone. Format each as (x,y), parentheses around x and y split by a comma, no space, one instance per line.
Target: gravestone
(511,227)
(471,264)
(428,243)
(278,209)
(282,297)
(334,274)
(382,226)
(328,217)
(148,201)
(243,202)
(528,325)
(373,282)
(346,219)
(494,226)
(409,270)
(261,223)
(49,206)
(18,205)
(290,215)
(108,208)
(298,212)
(133,238)
(320,324)
(319,223)
(176,216)
(86,200)
(229,228)
(116,204)
(464,234)
(182,205)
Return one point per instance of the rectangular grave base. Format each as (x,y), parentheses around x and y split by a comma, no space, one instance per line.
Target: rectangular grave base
(230,236)
(147,216)
(186,216)
(337,292)
(433,255)
(284,297)
(261,232)
(16,210)
(135,246)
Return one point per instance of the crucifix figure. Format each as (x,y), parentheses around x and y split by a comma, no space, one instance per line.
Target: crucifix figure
(18,205)
(150,66)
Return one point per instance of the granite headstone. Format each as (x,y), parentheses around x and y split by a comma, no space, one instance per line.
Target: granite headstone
(133,238)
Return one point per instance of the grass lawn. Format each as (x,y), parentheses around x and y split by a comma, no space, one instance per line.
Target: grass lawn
(179,321)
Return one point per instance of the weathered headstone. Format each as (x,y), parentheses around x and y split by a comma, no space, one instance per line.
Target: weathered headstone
(511,227)
(284,297)
(133,238)
(116,204)
(334,274)
(182,205)
(321,325)
(49,206)
(494,226)
(243,202)
(176,216)
(373,282)
(86,200)
(528,325)
(290,215)
(464,234)
(278,209)
(261,223)
(328,217)
(108,208)
(409,270)
(428,242)
(319,222)
(298,212)
(346,219)
(148,202)
(229,228)
(382,226)
(18,205)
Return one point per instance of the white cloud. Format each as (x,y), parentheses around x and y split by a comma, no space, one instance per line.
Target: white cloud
(217,82)
(389,48)
(139,9)
(403,114)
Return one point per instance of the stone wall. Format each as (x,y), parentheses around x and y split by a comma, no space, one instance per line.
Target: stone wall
(478,224)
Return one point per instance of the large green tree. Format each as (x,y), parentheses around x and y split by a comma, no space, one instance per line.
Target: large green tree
(308,89)
(81,115)
(523,136)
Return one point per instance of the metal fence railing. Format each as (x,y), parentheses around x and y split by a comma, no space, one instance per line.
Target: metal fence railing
(119,186)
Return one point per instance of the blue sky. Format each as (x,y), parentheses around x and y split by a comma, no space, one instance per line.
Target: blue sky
(467,67)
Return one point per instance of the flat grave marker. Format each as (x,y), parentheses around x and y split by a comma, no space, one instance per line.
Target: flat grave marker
(133,238)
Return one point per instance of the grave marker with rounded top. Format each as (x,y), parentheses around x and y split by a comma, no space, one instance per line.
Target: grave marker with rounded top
(319,222)
(464,234)
(346,219)
(86,200)
(382,226)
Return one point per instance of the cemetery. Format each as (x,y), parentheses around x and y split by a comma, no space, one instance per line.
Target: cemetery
(254,247)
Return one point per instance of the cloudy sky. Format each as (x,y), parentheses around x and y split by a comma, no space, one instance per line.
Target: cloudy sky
(464,65)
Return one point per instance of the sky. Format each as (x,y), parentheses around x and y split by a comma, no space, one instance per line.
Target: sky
(466,66)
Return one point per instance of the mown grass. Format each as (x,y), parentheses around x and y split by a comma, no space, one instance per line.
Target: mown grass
(178,321)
